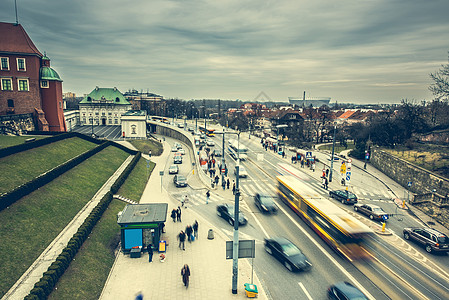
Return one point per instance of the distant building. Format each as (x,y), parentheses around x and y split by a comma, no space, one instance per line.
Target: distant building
(310,101)
(29,88)
(143,101)
(103,106)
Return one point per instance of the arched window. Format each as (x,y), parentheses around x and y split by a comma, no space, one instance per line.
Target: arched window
(89,99)
(10,103)
(117,99)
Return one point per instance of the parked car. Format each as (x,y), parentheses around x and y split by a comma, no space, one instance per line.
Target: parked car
(265,203)
(210,143)
(174,169)
(344,196)
(374,212)
(242,171)
(288,254)
(177,159)
(344,291)
(226,211)
(432,239)
(217,153)
(180,181)
(182,151)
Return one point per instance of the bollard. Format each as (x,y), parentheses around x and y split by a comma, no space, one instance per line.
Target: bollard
(383,226)
(403,203)
(210,234)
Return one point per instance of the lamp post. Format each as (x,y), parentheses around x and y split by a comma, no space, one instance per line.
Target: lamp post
(92,123)
(332,157)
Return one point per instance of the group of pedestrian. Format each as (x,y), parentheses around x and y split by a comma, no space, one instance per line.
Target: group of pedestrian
(176,214)
(191,233)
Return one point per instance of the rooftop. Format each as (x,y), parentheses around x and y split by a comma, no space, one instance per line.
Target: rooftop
(14,39)
(143,213)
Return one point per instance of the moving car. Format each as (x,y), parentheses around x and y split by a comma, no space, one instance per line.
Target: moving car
(174,169)
(374,212)
(182,151)
(345,291)
(180,181)
(180,125)
(217,153)
(177,159)
(210,143)
(190,129)
(288,254)
(226,211)
(433,240)
(265,203)
(174,149)
(178,145)
(242,172)
(344,196)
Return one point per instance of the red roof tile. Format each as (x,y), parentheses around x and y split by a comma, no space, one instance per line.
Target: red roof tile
(15,39)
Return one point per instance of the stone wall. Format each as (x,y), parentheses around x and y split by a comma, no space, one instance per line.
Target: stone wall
(16,124)
(403,172)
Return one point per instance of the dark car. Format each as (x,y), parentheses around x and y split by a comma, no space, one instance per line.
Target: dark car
(345,291)
(374,212)
(226,211)
(177,159)
(180,181)
(288,254)
(433,240)
(344,196)
(265,203)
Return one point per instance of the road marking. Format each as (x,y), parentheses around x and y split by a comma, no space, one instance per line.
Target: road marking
(305,291)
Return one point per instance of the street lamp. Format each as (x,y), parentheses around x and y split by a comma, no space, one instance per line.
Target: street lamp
(332,156)
(92,123)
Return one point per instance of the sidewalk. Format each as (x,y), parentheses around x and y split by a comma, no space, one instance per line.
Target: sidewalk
(211,273)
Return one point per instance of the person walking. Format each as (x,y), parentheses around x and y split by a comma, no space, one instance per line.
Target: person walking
(150,253)
(207,196)
(178,214)
(182,240)
(189,232)
(139,296)
(174,214)
(195,228)
(149,153)
(185,273)
(313,167)
(233,187)
(217,179)
(325,183)
(227,183)
(327,172)
(223,184)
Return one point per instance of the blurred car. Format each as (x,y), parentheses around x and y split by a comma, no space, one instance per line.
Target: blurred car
(180,125)
(432,239)
(174,169)
(335,158)
(265,203)
(217,153)
(288,254)
(344,291)
(174,149)
(210,143)
(180,181)
(374,212)
(182,151)
(242,171)
(226,211)
(190,129)
(344,196)
(177,159)
(178,145)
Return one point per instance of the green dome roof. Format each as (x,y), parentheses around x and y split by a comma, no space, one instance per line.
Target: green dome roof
(47,73)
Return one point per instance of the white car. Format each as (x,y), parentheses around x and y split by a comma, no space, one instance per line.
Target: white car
(182,151)
(210,143)
(242,171)
(174,169)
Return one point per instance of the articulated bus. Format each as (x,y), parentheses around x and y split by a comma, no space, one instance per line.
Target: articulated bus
(208,132)
(237,149)
(340,230)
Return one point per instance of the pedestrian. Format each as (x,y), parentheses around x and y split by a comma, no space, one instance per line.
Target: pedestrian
(343,182)
(139,296)
(182,240)
(323,182)
(174,214)
(186,200)
(178,214)
(313,167)
(213,162)
(217,179)
(326,183)
(195,228)
(207,196)
(227,183)
(233,187)
(226,171)
(223,184)
(283,154)
(293,159)
(324,174)
(149,153)
(189,232)
(327,172)
(302,163)
(185,273)
(150,253)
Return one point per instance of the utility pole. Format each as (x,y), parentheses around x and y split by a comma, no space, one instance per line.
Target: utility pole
(223,158)
(235,249)
(332,157)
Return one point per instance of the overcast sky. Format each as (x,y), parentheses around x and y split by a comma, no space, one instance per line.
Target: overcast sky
(358,51)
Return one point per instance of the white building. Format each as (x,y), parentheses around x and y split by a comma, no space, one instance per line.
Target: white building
(134,124)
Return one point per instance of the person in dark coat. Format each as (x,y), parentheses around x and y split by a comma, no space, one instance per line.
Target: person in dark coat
(227,183)
(233,187)
(178,214)
(185,273)
(189,232)
(182,240)
(195,228)
(174,214)
(150,253)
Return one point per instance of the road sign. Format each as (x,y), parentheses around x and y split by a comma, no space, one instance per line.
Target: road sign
(349,160)
(348,176)
(247,249)
(409,184)
(343,168)
(385,217)
(161,173)
(309,154)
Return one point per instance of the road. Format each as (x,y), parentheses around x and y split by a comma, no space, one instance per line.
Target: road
(399,269)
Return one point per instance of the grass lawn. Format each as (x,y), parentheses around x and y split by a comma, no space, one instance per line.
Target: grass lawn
(28,226)
(146,145)
(338,148)
(9,140)
(19,168)
(87,274)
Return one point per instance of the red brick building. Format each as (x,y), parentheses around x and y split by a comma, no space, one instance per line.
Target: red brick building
(28,85)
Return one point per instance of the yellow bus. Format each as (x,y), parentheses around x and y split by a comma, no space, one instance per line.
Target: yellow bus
(336,227)
(208,132)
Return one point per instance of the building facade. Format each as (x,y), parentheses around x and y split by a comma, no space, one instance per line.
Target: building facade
(28,85)
(134,124)
(103,106)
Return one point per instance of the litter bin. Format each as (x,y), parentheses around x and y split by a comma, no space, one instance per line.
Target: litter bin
(251,290)
(210,234)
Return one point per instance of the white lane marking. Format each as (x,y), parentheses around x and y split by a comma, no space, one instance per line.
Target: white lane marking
(305,291)
(340,267)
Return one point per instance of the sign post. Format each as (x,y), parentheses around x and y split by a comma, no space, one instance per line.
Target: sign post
(161,173)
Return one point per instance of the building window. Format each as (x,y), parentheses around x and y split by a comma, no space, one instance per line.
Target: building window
(6,84)
(44,84)
(21,64)
(23,85)
(96,113)
(116,121)
(5,63)
(133,129)
(117,99)
(10,103)
(110,121)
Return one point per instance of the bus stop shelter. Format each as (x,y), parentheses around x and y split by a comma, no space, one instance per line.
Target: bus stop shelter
(141,225)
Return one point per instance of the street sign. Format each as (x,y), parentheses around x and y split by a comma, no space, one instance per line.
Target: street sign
(348,176)
(247,249)
(409,184)
(161,173)
(309,154)
(385,217)
(343,168)
(349,160)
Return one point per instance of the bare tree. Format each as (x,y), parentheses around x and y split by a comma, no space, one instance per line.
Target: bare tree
(440,86)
